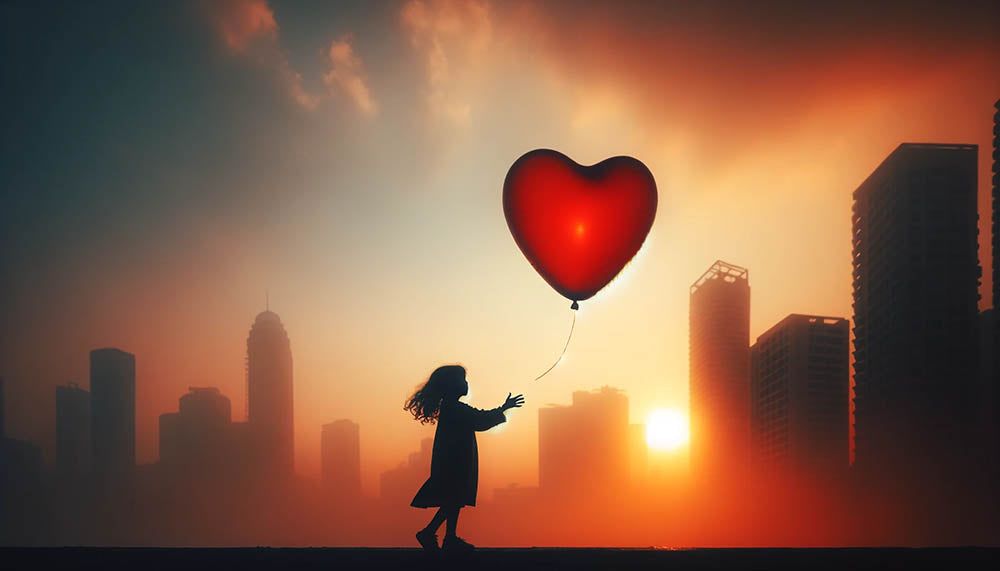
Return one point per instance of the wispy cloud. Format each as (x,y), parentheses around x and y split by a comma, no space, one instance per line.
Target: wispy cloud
(293,83)
(451,36)
(248,28)
(347,76)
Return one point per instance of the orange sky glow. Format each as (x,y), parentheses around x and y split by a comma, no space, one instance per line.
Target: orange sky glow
(377,226)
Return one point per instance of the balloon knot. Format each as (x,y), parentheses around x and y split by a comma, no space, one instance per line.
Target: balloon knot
(575,306)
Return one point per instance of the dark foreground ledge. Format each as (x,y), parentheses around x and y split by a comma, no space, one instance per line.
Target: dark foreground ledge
(187,559)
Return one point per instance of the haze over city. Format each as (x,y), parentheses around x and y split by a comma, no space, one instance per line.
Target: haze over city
(171,170)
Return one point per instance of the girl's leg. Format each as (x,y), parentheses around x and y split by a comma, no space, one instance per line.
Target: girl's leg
(452,517)
(437,520)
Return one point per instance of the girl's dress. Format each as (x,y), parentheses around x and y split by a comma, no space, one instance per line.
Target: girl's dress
(455,459)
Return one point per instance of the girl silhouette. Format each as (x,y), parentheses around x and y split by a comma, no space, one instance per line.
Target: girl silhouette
(455,457)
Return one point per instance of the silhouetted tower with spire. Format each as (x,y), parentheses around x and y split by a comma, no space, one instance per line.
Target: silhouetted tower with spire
(719,374)
(269,395)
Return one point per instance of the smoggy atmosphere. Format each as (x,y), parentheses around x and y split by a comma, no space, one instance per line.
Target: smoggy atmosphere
(172,170)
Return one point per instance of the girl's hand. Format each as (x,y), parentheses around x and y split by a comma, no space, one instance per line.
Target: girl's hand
(515,402)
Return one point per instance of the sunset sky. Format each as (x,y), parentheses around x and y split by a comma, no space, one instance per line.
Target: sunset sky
(165,164)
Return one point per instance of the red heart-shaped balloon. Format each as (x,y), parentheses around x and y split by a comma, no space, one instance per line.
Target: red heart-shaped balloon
(577,225)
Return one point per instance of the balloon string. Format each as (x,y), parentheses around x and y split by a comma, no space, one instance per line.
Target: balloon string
(563,354)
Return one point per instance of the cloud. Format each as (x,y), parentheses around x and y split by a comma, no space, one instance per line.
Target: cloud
(240,22)
(451,36)
(248,28)
(732,75)
(293,83)
(346,76)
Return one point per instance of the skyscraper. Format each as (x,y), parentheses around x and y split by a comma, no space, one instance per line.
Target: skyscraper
(800,388)
(916,279)
(269,395)
(719,361)
(72,430)
(584,448)
(397,485)
(638,451)
(197,436)
(996,205)
(112,410)
(340,457)
(990,331)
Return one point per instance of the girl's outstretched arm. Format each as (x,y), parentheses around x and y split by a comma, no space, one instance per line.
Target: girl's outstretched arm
(514,402)
(480,420)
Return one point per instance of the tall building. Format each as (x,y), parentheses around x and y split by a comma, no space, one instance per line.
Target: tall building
(241,447)
(990,330)
(112,410)
(269,395)
(989,395)
(800,395)
(585,447)
(996,205)
(340,458)
(916,280)
(197,436)
(21,482)
(398,485)
(72,430)
(719,373)
(22,494)
(638,452)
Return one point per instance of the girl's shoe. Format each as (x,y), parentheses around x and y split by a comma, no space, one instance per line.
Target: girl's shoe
(428,539)
(455,543)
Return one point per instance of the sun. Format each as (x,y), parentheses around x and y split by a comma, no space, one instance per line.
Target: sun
(666,429)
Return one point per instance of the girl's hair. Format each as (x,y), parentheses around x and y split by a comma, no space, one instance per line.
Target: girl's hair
(425,404)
